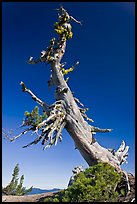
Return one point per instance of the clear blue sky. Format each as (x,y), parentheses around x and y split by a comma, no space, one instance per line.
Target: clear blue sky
(104,81)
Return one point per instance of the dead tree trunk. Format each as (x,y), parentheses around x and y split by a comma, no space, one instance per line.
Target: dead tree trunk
(67,112)
(78,128)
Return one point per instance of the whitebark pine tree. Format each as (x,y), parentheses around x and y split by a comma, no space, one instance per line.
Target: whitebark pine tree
(67,111)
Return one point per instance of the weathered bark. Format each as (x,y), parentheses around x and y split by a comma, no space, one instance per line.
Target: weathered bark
(76,126)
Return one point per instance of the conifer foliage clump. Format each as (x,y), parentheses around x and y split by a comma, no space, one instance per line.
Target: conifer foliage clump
(15,187)
(98,183)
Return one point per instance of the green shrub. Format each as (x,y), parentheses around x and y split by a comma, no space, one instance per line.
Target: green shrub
(97,183)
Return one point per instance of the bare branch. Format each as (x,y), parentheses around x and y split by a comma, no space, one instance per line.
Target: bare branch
(6,135)
(56,117)
(52,130)
(77,100)
(59,131)
(77,63)
(50,134)
(127,182)
(96,129)
(63,13)
(122,153)
(32,61)
(46,138)
(47,127)
(83,110)
(16,137)
(122,147)
(22,125)
(66,71)
(50,144)
(72,18)
(34,97)
(133,200)
(86,117)
(45,121)
(34,142)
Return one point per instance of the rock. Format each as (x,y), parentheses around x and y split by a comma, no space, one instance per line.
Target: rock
(27,198)
(130,197)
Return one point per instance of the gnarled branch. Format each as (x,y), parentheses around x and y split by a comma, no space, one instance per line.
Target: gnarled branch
(34,97)
(96,129)
(16,137)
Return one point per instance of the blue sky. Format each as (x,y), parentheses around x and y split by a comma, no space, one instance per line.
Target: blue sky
(104,81)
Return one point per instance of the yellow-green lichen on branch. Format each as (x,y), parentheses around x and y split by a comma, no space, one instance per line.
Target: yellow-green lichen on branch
(63,28)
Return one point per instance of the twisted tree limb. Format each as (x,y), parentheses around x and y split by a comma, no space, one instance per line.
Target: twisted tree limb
(34,97)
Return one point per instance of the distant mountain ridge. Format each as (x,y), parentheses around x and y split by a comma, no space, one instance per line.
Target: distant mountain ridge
(39,191)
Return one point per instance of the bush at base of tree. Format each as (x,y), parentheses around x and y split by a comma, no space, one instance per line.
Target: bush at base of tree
(97,183)
(13,188)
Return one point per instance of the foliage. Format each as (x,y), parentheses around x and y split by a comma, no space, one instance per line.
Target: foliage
(13,188)
(97,183)
(33,118)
